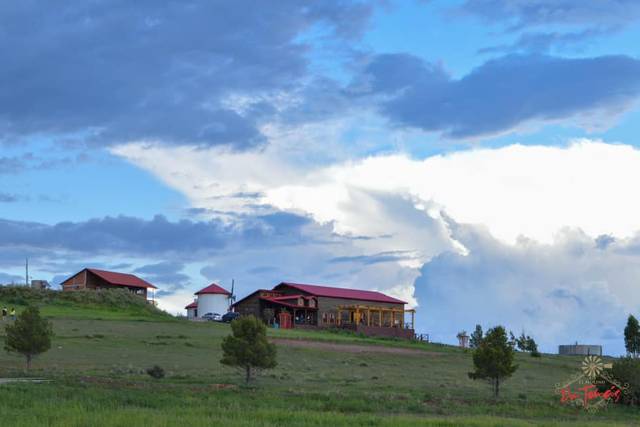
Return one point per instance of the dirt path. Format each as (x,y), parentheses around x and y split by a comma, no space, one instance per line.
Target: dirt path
(351,348)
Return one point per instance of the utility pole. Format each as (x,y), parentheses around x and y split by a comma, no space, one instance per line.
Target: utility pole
(232,297)
(26,273)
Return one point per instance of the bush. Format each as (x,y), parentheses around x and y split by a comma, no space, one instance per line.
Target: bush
(156,372)
(626,370)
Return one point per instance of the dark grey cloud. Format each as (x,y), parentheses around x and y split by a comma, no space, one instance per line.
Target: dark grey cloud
(573,21)
(110,72)
(9,198)
(12,165)
(542,42)
(30,162)
(499,95)
(139,237)
(536,13)
(387,256)
(166,273)
(262,269)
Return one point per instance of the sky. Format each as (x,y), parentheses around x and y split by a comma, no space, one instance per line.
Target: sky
(477,158)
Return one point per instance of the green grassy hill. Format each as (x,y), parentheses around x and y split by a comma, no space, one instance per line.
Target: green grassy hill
(106,305)
(104,343)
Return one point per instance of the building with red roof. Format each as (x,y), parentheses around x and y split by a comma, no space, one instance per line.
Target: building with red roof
(92,278)
(212,299)
(301,305)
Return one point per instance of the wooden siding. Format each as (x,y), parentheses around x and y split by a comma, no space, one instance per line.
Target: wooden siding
(87,280)
(327,313)
(250,305)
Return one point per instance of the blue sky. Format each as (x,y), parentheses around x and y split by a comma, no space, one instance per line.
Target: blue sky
(445,152)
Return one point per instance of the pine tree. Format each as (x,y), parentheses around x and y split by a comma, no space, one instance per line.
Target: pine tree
(493,359)
(30,335)
(632,336)
(247,347)
(476,337)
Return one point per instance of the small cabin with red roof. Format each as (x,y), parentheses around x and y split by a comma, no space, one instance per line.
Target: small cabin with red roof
(212,299)
(92,278)
(192,310)
(312,306)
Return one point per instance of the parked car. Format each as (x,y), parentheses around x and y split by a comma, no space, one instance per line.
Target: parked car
(212,317)
(227,318)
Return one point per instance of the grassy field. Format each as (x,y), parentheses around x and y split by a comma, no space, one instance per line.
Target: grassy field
(99,356)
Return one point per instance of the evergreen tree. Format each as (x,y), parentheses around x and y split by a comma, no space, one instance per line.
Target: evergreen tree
(476,337)
(247,347)
(527,344)
(493,359)
(30,335)
(532,347)
(632,336)
(521,341)
(513,341)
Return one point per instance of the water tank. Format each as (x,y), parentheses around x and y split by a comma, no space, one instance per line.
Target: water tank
(580,350)
(212,303)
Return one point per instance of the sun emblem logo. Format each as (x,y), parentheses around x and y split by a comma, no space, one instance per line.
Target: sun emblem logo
(592,366)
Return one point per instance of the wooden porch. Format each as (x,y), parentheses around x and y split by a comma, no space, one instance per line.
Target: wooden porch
(374,316)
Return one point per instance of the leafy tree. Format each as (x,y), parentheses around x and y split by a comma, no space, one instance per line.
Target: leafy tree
(30,335)
(632,336)
(528,344)
(476,337)
(513,341)
(493,359)
(247,347)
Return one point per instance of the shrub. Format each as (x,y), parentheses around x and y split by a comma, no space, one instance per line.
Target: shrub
(626,370)
(156,372)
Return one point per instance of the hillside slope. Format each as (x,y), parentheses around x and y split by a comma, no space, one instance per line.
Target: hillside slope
(97,366)
(88,304)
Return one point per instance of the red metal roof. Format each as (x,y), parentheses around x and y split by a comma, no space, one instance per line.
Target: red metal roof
(121,279)
(192,305)
(213,289)
(332,292)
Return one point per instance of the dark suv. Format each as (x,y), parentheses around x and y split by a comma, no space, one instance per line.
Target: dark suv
(228,317)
